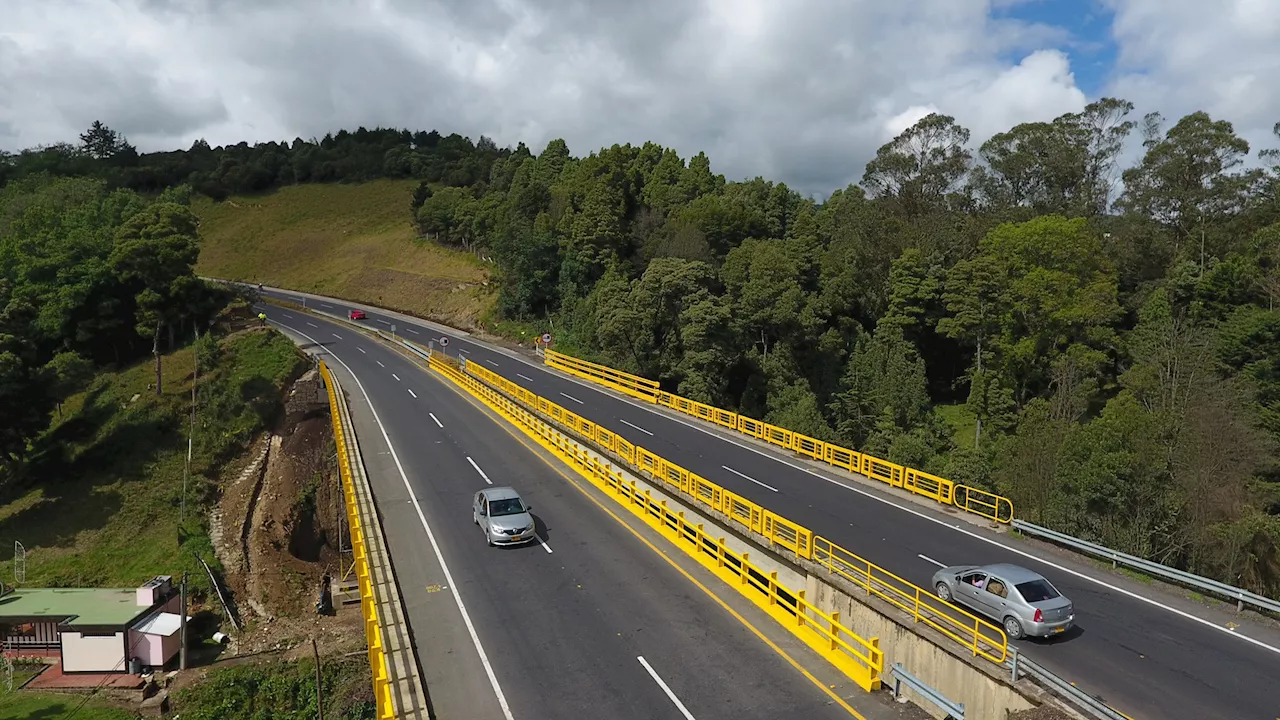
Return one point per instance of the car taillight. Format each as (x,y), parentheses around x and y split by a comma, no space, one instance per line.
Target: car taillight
(1039,616)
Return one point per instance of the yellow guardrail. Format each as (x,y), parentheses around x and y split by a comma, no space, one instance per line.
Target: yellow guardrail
(368,604)
(976,635)
(970,499)
(858,658)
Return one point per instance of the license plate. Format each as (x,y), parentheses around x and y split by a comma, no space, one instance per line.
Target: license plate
(1059,629)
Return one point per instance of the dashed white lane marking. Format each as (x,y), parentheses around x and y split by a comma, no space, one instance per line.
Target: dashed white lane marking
(411,392)
(433,417)
(637,427)
(748,477)
(477,467)
(653,674)
(526,377)
(926,558)
(573,399)
(435,546)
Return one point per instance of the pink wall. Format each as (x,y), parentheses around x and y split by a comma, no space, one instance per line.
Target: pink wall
(156,650)
(149,649)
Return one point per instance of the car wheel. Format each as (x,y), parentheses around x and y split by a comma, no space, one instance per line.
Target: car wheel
(944,592)
(1013,628)
(488,539)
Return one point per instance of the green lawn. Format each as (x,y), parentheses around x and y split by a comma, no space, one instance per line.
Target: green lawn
(101,504)
(352,241)
(961,421)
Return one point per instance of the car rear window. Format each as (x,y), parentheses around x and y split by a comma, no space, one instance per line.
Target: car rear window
(1037,591)
(508,506)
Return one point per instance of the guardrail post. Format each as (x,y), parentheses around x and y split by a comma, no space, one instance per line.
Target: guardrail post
(744,572)
(800,608)
(835,629)
(773,587)
(1013,662)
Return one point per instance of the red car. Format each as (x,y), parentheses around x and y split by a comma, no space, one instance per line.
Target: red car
(356,315)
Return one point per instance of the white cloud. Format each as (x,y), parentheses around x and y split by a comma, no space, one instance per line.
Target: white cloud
(798,90)
(1221,56)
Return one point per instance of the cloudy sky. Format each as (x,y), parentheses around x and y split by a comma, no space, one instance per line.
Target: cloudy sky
(802,91)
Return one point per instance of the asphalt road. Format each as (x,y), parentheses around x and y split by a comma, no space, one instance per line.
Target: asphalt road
(1145,652)
(587,622)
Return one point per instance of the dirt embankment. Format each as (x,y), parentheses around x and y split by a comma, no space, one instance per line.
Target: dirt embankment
(278,528)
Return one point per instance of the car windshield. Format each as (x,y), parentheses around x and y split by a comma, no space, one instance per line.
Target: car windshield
(1037,591)
(506,506)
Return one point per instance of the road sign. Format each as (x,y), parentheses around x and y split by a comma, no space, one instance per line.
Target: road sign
(444,342)
(546,338)
(393,329)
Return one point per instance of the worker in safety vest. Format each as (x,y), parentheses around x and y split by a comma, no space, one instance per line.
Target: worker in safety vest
(262,317)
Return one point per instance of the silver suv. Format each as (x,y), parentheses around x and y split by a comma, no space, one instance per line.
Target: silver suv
(504,517)
(1024,602)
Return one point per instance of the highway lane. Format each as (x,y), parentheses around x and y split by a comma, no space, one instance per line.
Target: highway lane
(1149,661)
(564,622)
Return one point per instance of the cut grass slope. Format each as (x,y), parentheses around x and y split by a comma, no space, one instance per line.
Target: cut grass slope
(103,504)
(348,241)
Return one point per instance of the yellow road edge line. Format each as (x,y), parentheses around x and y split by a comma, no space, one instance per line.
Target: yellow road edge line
(523,439)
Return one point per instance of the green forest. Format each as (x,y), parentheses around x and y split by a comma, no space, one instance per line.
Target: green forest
(1093,336)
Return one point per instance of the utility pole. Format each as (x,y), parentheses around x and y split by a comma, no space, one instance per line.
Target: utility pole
(182,623)
(319,688)
(191,431)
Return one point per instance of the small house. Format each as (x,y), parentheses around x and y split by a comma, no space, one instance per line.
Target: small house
(95,630)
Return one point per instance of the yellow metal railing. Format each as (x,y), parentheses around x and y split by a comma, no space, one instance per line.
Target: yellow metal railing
(970,499)
(859,658)
(978,636)
(368,602)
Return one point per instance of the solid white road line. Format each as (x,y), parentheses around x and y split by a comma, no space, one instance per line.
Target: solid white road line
(637,427)
(926,558)
(379,363)
(526,377)
(397,377)
(312,324)
(491,362)
(653,674)
(695,425)
(362,350)
(574,399)
(411,392)
(748,477)
(336,335)
(438,423)
(477,467)
(435,547)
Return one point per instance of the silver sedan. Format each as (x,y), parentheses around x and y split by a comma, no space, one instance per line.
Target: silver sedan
(1024,602)
(504,516)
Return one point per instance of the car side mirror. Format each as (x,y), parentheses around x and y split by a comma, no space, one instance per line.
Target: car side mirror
(528,508)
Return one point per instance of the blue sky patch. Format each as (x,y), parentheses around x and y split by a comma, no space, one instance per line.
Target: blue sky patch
(1088,24)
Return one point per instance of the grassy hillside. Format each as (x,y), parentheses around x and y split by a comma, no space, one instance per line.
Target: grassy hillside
(101,505)
(350,241)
